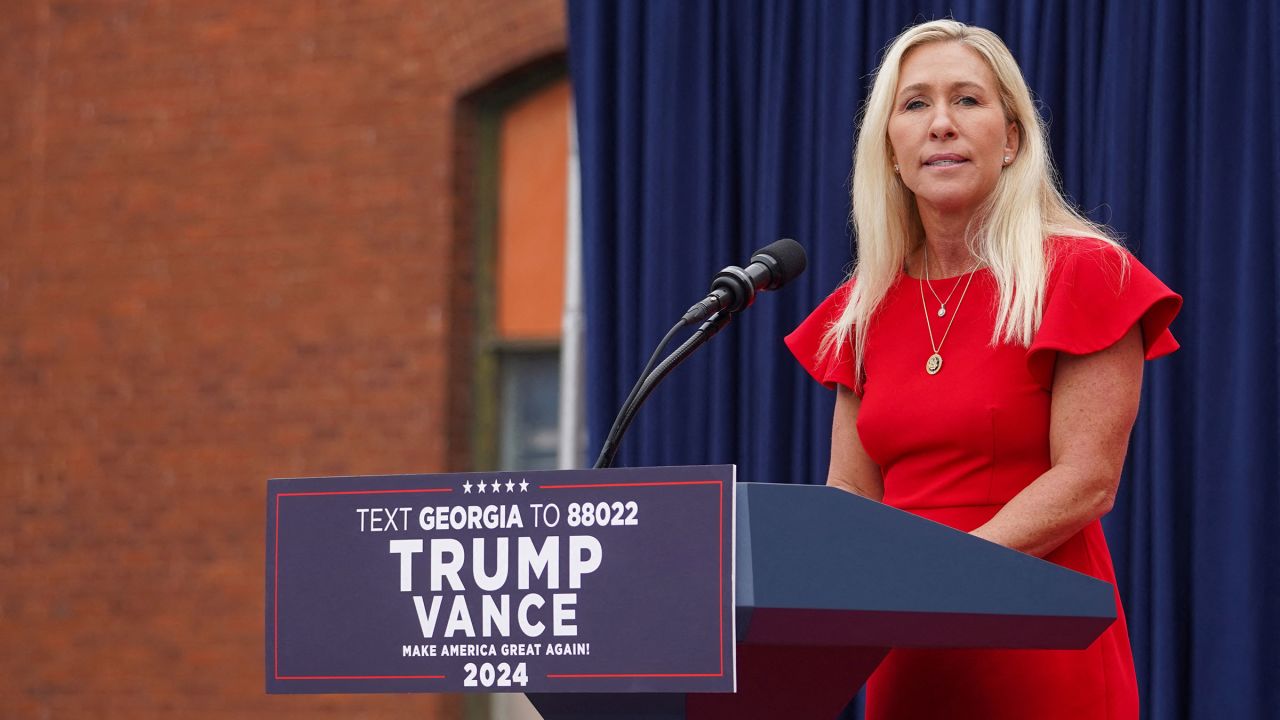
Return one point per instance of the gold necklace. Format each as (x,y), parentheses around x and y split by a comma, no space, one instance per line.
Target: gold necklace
(942,304)
(934,364)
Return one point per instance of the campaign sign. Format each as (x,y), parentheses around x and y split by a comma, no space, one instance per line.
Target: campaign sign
(556,581)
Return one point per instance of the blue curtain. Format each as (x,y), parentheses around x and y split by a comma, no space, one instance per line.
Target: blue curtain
(709,128)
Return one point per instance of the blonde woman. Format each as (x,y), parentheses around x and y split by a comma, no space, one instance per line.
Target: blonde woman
(987,354)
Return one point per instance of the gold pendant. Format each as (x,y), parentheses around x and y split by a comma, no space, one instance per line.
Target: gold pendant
(934,365)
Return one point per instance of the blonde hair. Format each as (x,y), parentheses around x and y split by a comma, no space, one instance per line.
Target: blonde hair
(1007,233)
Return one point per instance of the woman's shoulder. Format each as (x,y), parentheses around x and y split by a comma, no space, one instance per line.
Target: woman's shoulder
(829,364)
(1096,291)
(1072,254)
(1062,247)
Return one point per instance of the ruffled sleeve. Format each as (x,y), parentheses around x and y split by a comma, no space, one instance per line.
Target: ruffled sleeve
(1092,300)
(836,366)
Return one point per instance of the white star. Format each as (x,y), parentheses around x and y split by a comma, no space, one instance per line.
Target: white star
(510,485)
(524,485)
(496,485)
(481,485)
(466,487)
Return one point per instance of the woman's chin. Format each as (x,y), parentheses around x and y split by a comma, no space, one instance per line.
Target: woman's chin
(950,203)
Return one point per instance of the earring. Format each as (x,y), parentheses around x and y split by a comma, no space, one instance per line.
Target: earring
(1006,159)
(895,167)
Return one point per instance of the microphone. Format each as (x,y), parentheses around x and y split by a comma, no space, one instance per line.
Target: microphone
(734,289)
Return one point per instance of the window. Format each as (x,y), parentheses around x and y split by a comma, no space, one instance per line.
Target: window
(526,166)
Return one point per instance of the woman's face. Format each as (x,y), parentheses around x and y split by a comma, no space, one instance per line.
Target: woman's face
(948,129)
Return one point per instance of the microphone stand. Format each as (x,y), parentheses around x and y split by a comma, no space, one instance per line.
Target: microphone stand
(649,380)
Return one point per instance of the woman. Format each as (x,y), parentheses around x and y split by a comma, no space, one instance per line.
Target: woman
(987,353)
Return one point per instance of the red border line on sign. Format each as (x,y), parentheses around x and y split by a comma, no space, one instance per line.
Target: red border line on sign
(275,587)
(720,576)
(639,675)
(361,677)
(364,492)
(639,484)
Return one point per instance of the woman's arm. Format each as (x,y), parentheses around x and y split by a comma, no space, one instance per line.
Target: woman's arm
(1095,401)
(851,468)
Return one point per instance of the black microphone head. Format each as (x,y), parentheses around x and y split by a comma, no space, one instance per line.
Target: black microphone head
(786,260)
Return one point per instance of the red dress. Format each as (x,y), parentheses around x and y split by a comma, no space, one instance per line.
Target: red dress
(956,446)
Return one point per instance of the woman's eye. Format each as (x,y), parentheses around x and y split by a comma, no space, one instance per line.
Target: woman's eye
(914,105)
(968,100)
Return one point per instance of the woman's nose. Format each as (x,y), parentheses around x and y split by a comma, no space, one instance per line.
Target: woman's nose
(942,127)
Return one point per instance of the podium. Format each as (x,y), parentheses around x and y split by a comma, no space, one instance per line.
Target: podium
(827,583)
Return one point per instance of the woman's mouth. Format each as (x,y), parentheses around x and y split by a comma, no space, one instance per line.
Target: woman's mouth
(945,160)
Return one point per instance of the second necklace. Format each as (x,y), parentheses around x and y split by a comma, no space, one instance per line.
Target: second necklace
(934,364)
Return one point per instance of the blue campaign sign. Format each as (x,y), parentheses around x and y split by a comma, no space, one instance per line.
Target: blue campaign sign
(555,581)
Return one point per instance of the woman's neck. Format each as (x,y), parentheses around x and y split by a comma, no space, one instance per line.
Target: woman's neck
(945,246)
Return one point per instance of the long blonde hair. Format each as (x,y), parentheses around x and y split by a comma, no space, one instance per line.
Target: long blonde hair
(1008,232)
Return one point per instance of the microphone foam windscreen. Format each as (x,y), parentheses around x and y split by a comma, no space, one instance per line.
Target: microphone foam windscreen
(789,258)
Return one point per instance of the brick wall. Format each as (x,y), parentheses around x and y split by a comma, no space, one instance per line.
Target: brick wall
(226,238)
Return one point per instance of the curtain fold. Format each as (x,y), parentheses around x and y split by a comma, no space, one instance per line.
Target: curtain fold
(713,127)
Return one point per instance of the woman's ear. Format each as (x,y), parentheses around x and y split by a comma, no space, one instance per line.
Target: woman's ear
(1012,141)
